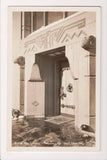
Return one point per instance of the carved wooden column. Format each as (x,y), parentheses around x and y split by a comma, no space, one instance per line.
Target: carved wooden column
(21,62)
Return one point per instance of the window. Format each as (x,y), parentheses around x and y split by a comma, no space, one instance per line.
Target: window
(53,17)
(67,14)
(27,23)
(32,21)
(38,20)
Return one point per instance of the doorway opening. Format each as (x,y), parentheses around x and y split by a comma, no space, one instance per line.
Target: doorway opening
(54,70)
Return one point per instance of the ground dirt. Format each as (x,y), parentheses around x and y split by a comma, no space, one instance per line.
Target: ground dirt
(37,133)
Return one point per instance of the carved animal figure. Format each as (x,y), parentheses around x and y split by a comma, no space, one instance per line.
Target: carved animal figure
(87,128)
(89,44)
(15,113)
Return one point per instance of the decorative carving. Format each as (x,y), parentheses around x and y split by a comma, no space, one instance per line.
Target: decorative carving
(70,87)
(67,37)
(89,44)
(78,24)
(67,106)
(20,60)
(15,113)
(87,128)
(55,36)
(62,94)
(35,103)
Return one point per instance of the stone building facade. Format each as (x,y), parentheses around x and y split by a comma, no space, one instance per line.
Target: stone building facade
(55,64)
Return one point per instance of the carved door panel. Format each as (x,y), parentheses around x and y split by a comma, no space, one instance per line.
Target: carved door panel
(66,90)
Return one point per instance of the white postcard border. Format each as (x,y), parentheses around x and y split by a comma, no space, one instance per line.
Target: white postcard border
(29,155)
